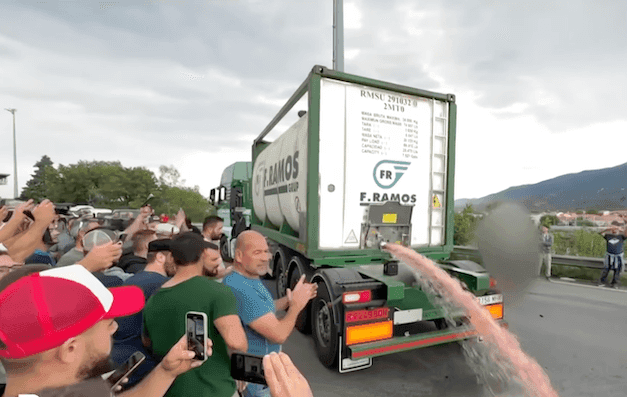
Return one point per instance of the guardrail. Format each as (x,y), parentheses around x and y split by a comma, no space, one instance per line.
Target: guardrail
(472,253)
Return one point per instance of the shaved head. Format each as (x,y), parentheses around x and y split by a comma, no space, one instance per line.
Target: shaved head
(252,255)
(246,238)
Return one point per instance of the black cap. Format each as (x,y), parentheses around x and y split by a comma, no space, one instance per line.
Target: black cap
(160,245)
(188,247)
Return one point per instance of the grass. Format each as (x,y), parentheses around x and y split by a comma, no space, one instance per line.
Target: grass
(583,273)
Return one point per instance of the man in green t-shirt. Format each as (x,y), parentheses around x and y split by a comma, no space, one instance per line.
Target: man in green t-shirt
(188,290)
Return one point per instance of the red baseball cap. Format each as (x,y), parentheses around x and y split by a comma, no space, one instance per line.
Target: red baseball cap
(41,311)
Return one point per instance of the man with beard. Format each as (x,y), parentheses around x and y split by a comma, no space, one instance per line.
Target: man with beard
(212,229)
(212,232)
(56,327)
(188,290)
(256,308)
(127,339)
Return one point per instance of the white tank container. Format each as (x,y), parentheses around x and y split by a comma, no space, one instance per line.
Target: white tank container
(279,178)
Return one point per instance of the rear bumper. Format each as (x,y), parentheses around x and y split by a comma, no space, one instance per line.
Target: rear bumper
(403,343)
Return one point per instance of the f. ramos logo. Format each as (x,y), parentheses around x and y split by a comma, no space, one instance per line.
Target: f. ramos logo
(388,172)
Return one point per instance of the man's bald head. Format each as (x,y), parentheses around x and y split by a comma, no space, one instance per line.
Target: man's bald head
(252,254)
(246,238)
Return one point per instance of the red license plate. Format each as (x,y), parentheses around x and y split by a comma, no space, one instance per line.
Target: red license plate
(366,315)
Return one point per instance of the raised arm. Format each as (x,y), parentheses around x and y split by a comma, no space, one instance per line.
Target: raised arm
(27,241)
(277,331)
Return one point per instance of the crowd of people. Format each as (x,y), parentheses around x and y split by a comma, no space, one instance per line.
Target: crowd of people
(79,296)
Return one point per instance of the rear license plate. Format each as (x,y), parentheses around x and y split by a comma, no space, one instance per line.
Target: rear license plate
(490,299)
(407,316)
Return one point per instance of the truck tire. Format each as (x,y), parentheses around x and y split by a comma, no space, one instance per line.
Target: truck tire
(303,322)
(224,249)
(325,334)
(281,274)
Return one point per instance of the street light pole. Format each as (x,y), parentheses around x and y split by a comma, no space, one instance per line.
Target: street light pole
(14,155)
(338,35)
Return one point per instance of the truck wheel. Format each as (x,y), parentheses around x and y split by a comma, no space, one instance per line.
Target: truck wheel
(224,249)
(303,322)
(280,272)
(324,331)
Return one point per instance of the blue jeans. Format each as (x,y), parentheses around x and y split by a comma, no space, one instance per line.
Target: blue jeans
(613,262)
(255,390)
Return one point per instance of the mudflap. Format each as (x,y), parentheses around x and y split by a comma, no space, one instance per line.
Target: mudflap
(347,364)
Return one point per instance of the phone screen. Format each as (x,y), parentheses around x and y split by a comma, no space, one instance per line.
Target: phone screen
(248,368)
(196,335)
(126,369)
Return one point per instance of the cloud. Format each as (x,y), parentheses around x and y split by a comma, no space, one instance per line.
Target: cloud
(191,83)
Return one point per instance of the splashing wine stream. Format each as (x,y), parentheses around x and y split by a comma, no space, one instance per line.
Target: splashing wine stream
(501,346)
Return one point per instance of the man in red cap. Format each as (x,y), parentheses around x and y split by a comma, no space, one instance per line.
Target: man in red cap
(56,327)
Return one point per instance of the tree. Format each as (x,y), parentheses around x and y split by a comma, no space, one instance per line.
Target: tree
(103,184)
(465,226)
(549,220)
(37,187)
(169,200)
(170,176)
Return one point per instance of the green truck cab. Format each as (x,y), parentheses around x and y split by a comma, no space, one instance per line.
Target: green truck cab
(356,163)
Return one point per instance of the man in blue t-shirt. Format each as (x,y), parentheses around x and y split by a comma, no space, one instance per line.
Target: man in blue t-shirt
(255,306)
(127,339)
(614,257)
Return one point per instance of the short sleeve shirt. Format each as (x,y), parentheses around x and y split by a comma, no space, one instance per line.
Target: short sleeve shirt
(127,339)
(614,243)
(253,301)
(164,324)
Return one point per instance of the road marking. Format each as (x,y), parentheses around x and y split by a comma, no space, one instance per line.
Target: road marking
(586,286)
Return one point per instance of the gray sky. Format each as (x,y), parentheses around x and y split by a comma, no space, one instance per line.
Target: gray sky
(540,85)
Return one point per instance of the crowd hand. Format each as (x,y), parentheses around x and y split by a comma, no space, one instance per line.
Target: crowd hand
(44,212)
(303,292)
(180,360)
(241,385)
(18,212)
(4,211)
(145,211)
(284,379)
(102,256)
(179,219)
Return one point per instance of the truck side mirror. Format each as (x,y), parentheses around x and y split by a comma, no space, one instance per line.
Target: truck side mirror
(212,196)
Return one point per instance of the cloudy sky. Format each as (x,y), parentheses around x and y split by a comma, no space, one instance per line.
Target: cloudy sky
(540,84)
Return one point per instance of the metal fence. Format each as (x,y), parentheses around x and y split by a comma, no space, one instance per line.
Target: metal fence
(472,253)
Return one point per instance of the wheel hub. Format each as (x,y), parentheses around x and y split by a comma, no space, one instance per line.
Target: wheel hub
(324,324)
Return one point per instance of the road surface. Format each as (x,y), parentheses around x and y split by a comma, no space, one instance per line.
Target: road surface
(577,333)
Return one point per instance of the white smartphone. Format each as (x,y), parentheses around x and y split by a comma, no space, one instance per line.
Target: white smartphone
(196,331)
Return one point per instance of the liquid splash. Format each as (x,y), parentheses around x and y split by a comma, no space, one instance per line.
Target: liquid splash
(499,357)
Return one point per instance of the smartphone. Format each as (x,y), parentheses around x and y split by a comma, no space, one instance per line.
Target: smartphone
(248,367)
(29,214)
(8,217)
(196,326)
(126,369)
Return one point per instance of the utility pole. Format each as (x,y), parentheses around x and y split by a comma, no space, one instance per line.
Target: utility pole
(14,155)
(338,35)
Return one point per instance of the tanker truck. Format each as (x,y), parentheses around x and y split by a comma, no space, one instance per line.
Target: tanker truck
(355,163)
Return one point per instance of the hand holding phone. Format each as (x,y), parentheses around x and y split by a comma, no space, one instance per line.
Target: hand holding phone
(247,367)
(125,370)
(196,331)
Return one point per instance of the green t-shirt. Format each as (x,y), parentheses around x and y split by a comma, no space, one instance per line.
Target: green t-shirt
(164,324)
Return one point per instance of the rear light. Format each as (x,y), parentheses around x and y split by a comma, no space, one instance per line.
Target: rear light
(369,332)
(492,282)
(495,310)
(357,297)
(367,315)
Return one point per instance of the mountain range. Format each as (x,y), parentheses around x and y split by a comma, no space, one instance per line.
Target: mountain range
(604,189)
